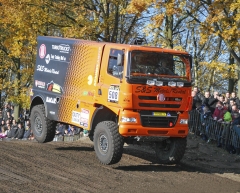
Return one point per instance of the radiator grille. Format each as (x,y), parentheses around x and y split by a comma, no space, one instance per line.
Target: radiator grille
(148,120)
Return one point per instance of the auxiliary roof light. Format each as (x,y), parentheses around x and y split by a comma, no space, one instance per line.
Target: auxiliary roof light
(172,84)
(151,82)
(159,83)
(180,84)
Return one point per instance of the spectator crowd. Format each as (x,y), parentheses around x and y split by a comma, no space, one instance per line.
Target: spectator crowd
(20,128)
(218,110)
(12,128)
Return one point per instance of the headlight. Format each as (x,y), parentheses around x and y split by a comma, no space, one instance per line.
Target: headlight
(128,119)
(184,121)
(150,82)
(171,83)
(180,84)
(159,83)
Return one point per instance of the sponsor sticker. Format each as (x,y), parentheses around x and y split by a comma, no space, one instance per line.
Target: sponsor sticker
(42,51)
(76,117)
(47,59)
(40,84)
(84,117)
(63,48)
(51,100)
(53,87)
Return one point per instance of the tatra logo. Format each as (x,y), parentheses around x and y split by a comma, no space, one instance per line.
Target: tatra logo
(51,100)
(160,97)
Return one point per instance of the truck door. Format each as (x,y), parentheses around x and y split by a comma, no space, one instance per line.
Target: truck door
(111,76)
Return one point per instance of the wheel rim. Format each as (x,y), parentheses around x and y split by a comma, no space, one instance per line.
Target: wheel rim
(38,124)
(103,143)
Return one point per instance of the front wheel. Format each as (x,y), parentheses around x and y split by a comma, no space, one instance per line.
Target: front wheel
(108,143)
(170,151)
(43,128)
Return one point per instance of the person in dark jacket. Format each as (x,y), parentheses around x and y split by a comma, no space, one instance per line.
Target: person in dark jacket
(195,100)
(60,129)
(198,93)
(20,131)
(236,129)
(234,96)
(206,99)
(13,131)
(213,101)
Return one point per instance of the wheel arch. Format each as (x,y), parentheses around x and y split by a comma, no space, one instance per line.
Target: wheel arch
(38,100)
(102,113)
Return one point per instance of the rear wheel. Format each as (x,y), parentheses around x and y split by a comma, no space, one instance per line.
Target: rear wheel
(43,128)
(170,151)
(108,143)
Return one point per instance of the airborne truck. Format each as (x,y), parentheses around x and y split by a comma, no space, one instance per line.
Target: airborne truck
(120,93)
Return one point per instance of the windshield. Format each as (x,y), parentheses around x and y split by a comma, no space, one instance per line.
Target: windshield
(145,64)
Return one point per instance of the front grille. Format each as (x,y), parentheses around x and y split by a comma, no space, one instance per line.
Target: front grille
(154,98)
(148,120)
(159,105)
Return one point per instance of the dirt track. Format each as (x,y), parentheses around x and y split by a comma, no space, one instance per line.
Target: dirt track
(73,167)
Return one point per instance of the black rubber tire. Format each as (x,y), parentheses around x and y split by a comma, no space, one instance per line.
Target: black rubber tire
(43,128)
(108,143)
(171,151)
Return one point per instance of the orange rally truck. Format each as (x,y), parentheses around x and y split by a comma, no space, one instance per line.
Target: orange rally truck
(120,93)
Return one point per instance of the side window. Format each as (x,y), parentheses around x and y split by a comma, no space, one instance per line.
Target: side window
(113,68)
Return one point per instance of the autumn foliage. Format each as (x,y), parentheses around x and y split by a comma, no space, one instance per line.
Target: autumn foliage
(209,30)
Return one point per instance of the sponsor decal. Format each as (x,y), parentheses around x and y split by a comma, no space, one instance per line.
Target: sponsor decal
(40,84)
(63,48)
(47,59)
(53,87)
(113,93)
(156,89)
(52,112)
(84,117)
(42,51)
(87,93)
(42,68)
(51,100)
(58,58)
(160,97)
(76,117)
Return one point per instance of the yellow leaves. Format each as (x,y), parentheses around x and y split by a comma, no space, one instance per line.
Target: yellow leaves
(222,70)
(138,6)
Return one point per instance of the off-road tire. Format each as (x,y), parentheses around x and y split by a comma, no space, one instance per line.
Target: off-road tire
(43,128)
(108,143)
(170,151)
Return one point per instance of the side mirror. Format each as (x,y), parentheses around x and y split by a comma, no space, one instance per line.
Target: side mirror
(120,60)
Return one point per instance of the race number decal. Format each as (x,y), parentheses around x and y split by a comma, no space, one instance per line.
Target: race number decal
(113,94)
(76,117)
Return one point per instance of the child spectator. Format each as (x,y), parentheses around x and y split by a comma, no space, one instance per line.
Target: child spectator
(205,119)
(3,133)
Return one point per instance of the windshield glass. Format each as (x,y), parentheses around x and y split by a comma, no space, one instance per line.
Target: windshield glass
(145,64)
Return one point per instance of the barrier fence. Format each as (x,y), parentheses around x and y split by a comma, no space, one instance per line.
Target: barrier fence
(221,132)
